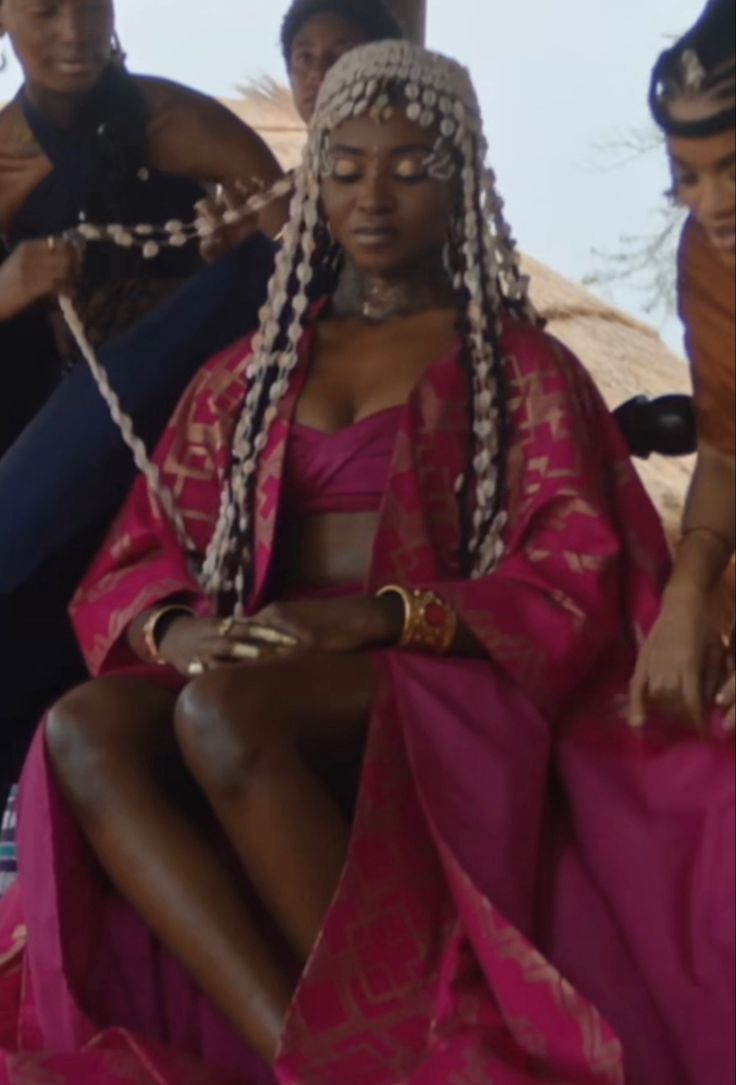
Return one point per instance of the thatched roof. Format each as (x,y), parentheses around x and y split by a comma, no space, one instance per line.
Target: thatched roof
(626,358)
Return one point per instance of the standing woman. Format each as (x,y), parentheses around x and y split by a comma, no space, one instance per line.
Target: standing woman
(694,101)
(85,140)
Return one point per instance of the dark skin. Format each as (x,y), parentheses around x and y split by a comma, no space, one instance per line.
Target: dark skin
(318,45)
(247,732)
(64,47)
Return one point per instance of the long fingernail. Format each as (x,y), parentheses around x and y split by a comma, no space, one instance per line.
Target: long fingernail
(272,636)
(245,651)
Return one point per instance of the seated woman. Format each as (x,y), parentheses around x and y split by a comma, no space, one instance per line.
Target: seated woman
(694,102)
(387,532)
(58,501)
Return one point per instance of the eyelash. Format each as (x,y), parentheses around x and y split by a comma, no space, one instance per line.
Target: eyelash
(418,180)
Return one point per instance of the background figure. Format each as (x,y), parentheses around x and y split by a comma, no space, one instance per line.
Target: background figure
(693,99)
(60,503)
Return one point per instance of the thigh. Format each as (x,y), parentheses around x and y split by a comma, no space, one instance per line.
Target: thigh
(111,721)
(320,702)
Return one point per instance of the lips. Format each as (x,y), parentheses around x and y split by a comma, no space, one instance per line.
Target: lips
(77,64)
(724,238)
(375,236)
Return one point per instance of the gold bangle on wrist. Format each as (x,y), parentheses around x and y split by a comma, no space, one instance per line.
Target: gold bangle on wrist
(152,632)
(430,625)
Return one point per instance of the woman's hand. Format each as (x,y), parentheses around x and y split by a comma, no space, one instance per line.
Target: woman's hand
(229,231)
(35,271)
(681,665)
(344,625)
(194,645)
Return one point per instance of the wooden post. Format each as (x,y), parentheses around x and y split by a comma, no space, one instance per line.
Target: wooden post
(413,16)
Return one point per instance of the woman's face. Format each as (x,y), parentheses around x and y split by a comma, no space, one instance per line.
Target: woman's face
(63,45)
(704,178)
(316,48)
(384,208)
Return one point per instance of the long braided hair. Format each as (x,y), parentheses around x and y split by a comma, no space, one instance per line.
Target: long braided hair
(437,93)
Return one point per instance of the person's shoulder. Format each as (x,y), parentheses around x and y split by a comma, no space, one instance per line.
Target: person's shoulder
(165,98)
(541,368)
(532,351)
(16,138)
(217,389)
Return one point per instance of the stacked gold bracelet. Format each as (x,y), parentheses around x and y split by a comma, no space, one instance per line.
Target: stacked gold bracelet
(430,625)
(155,626)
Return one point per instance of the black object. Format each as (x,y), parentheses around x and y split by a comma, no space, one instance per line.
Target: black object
(665,426)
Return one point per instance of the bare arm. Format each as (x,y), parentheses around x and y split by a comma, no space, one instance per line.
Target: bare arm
(709,524)
(679,668)
(195,136)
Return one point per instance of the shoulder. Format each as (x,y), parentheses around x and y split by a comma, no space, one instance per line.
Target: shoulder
(194,135)
(539,365)
(217,390)
(16,138)
(169,101)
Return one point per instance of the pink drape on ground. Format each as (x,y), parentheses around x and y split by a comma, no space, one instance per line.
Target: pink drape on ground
(510,830)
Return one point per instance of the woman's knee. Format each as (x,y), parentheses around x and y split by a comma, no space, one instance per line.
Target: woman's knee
(94,728)
(229,729)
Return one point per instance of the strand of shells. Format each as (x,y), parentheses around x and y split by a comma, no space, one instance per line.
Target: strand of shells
(151,239)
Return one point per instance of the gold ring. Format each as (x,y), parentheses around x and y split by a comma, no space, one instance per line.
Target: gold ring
(196,668)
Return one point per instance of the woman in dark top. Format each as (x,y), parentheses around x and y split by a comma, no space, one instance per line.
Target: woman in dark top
(84,140)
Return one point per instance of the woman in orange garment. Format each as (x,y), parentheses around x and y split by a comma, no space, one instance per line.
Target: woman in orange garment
(694,101)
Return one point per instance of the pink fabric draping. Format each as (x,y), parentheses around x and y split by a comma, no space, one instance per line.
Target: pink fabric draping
(512,837)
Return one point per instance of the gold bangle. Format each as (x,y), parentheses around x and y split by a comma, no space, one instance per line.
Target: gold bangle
(152,629)
(430,625)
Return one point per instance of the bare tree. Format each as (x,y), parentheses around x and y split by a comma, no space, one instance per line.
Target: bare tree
(646,261)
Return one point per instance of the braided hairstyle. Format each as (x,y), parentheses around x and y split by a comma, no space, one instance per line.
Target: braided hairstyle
(371,17)
(702,66)
(437,94)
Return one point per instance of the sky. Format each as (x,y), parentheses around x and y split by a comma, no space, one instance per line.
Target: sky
(559,81)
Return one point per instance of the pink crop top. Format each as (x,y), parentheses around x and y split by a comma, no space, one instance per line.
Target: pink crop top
(345,471)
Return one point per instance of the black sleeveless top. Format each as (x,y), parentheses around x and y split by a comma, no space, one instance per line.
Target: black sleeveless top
(101,173)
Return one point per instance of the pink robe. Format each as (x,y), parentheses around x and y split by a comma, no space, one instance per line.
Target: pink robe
(512,837)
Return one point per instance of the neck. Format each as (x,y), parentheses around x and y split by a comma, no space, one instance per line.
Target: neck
(61,110)
(380,298)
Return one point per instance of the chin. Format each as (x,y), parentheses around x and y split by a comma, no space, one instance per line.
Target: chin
(75,83)
(383,260)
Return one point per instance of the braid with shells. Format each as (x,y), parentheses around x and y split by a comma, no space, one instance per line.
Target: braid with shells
(438,94)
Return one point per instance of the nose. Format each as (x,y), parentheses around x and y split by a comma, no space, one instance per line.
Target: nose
(74,26)
(376,195)
(715,199)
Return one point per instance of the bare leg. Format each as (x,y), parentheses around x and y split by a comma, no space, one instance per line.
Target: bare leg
(244,733)
(112,743)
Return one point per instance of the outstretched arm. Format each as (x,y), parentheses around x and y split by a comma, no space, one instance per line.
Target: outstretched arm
(679,667)
(197,137)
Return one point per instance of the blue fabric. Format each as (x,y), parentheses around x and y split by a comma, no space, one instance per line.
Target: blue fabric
(70,467)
